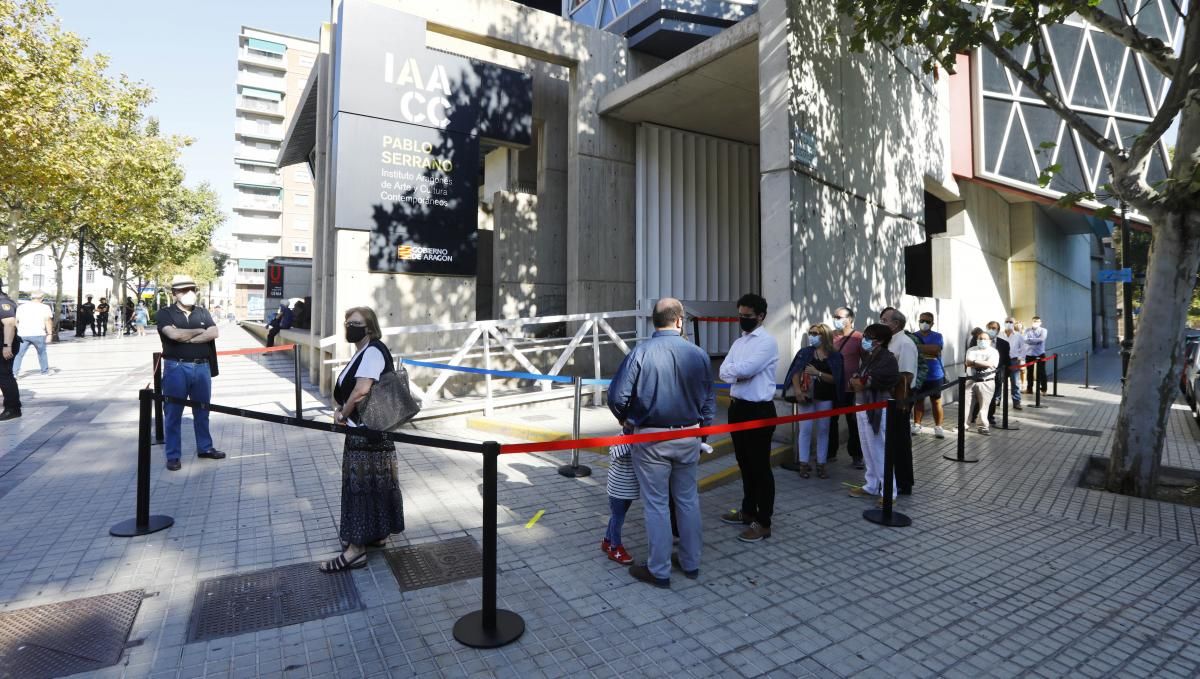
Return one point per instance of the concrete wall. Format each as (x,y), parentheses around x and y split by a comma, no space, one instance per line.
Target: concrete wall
(1052,274)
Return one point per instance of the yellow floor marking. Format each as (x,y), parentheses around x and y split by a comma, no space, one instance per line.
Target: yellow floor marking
(535,518)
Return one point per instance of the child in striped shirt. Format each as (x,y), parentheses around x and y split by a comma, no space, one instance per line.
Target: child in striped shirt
(622,490)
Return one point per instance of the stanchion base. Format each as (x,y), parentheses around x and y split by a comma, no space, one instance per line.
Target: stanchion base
(1036,406)
(954,458)
(469,630)
(1012,426)
(575,472)
(130,528)
(896,520)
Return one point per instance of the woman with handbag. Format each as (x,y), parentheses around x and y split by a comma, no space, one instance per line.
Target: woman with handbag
(815,383)
(877,375)
(372,508)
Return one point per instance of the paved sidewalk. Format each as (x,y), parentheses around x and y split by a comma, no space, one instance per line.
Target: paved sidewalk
(1008,569)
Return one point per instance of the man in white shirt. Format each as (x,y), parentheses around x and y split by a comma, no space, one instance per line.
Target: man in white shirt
(1035,348)
(982,360)
(35,321)
(749,368)
(1016,356)
(905,350)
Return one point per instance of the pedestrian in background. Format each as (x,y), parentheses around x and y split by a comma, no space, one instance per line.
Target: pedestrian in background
(102,311)
(930,351)
(141,318)
(187,332)
(665,383)
(814,382)
(85,317)
(35,322)
(749,368)
(848,343)
(1035,350)
(8,382)
(875,381)
(281,321)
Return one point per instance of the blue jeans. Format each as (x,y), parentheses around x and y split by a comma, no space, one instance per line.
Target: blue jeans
(37,342)
(191,381)
(616,519)
(666,468)
(1014,386)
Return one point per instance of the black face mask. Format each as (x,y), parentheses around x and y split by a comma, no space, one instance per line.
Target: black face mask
(748,324)
(355,333)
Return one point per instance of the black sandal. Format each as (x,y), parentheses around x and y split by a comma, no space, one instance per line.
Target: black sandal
(341,564)
(805,470)
(821,472)
(382,542)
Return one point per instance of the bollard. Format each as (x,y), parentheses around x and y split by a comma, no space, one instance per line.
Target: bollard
(1086,369)
(489,627)
(960,455)
(299,393)
(1037,387)
(696,329)
(896,425)
(159,434)
(576,470)
(1055,375)
(143,523)
(1004,396)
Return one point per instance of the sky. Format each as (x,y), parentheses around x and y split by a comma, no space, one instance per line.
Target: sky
(187,52)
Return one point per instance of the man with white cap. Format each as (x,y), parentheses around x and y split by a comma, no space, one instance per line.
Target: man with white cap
(187,332)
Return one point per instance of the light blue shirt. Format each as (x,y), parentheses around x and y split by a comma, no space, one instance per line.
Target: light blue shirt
(750,366)
(1035,341)
(665,381)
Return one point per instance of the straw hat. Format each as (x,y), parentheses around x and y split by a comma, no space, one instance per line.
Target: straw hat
(182,281)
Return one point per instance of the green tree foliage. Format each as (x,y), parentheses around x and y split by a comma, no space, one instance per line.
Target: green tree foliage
(938,30)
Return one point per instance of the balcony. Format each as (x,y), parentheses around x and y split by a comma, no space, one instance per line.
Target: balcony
(252,153)
(262,82)
(251,278)
(258,179)
(252,105)
(258,203)
(256,58)
(257,227)
(270,133)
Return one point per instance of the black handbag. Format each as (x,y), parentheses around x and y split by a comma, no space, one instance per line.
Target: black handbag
(390,402)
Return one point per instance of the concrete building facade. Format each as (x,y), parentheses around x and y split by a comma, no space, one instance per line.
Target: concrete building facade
(762,157)
(273,208)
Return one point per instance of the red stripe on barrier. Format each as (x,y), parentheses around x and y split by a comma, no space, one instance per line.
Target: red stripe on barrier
(571,444)
(257,350)
(1044,359)
(717,319)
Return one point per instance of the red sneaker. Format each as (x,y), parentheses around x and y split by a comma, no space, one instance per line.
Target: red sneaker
(605,546)
(619,555)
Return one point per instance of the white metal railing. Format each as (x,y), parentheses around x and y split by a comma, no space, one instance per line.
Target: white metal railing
(499,338)
(261,81)
(260,105)
(260,178)
(262,58)
(256,203)
(255,153)
(273,132)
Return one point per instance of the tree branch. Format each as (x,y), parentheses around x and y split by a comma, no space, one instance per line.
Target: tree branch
(1158,53)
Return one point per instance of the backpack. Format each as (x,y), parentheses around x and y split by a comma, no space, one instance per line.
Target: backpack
(922,362)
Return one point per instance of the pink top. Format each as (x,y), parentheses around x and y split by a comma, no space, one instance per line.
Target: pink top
(851,351)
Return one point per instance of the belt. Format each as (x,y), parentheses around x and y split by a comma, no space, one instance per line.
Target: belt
(742,400)
(667,426)
(187,360)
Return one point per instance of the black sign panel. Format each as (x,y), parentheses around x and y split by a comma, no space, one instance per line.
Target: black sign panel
(274,280)
(406,131)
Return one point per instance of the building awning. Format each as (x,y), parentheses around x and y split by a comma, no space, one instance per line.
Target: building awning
(252,185)
(260,264)
(301,135)
(266,46)
(257,93)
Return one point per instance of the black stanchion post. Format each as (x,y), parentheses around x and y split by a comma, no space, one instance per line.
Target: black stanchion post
(1087,355)
(1005,374)
(489,627)
(143,523)
(1037,391)
(696,329)
(1055,375)
(299,397)
(576,470)
(159,434)
(960,454)
(896,425)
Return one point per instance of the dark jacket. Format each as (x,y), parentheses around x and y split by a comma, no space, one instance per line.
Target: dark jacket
(801,361)
(882,373)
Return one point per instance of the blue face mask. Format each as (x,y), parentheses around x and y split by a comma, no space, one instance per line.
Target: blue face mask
(814,340)
(867,344)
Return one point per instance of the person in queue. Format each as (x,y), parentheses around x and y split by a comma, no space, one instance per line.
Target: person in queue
(1004,349)
(372,507)
(982,360)
(930,351)
(187,332)
(1035,350)
(1016,356)
(908,359)
(814,382)
(665,383)
(848,343)
(749,368)
(876,378)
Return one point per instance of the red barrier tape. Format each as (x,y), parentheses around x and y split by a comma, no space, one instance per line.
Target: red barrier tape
(1044,359)
(258,350)
(717,319)
(595,442)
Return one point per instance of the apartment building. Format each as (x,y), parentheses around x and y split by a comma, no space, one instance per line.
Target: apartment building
(272,210)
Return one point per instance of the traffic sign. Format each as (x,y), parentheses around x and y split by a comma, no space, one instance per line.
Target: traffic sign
(1116,276)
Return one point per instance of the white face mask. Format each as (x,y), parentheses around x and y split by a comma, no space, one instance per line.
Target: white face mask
(985,344)
(1008,326)
(991,332)
(925,325)
(188,299)
(841,323)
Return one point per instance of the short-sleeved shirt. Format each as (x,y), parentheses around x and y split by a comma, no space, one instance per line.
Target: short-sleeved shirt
(905,351)
(372,366)
(850,347)
(936,372)
(31,319)
(198,319)
(87,309)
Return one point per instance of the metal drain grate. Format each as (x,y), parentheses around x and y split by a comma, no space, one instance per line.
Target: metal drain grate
(1076,430)
(435,563)
(247,602)
(66,638)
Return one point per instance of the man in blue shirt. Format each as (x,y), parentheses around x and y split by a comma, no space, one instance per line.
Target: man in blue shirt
(282,321)
(930,349)
(666,383)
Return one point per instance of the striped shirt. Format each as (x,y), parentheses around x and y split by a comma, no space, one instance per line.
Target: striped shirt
(622,482)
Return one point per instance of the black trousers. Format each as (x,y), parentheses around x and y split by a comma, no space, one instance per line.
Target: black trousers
(102,323)
(82,323)
(753,451)
(8,386)
(903,454)
(1041,374)
(271,336)
(853,445)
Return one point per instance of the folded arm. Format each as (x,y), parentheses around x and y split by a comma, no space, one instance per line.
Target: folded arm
(751,362)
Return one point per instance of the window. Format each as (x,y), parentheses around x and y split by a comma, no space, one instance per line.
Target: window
(90,276)
(37,280)
(39,260)
(918,259)
(300,248)
(300,199)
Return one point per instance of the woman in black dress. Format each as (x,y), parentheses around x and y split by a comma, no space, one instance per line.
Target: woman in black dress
(372,508)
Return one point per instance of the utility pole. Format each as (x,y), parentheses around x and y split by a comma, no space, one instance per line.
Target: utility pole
(79,287)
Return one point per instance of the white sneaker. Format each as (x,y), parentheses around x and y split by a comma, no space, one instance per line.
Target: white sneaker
(916,429)
(938,432)
(985,431)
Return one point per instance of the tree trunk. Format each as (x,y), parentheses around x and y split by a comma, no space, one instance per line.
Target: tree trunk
(59,256)
(1152,383)
(12,278)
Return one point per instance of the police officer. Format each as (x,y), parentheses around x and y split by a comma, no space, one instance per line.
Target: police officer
(8,383)
(86,317)
(102,310)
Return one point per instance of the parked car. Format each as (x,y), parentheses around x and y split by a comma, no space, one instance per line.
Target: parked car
(1189,378)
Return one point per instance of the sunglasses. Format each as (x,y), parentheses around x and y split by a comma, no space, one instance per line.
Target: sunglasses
(354,324)
(180,291)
